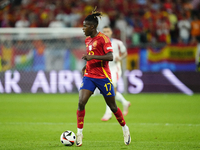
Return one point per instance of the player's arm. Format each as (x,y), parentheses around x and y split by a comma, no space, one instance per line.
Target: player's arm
(107,57)
(123,52)
(123,55)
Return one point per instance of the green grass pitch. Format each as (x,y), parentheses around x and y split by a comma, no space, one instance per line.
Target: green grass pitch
(156,122)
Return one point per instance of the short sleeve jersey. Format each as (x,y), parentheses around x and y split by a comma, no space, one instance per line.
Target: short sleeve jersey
(118,47)
(99,45)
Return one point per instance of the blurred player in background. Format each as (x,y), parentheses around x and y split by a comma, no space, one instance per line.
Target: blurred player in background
(119,52)
(97,74)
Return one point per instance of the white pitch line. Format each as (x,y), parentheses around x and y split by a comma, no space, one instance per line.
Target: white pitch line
(146,142)
(103,123)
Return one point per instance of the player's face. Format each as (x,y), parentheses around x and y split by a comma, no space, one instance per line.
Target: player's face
(107,32)
(87,28)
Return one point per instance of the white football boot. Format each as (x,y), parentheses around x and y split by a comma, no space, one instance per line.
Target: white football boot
(79,138)
(127,137)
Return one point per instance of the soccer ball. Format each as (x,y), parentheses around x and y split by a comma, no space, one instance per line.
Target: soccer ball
(68,138)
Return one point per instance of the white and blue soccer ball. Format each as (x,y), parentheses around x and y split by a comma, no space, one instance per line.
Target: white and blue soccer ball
(68,138)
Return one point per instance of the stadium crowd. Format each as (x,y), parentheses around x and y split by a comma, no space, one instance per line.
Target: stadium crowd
(157,21)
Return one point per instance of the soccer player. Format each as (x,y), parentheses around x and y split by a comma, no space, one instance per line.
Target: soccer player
(97,74)
(119,52)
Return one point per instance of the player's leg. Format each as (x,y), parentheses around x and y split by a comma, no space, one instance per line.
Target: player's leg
(118,96)
(85,92)
(108,113)
(119,116)
(116,74)
(84,95)
(107,90)
(126,104)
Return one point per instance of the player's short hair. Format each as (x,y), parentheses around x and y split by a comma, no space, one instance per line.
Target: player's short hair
(93,17)
(106,27)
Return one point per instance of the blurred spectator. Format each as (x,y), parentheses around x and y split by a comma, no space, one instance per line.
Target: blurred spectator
(121,23)
(195,6)
(195,29)
(25,2)
(75,16)
(187,6)
(103,21)
(139,30)
(55,23)
(5,20)
(139,19)
(163,29)
(33,20)
(150,29)
(178,7)
(64,17)
(111,11)
(173,22)
(142,2)
(155,5)
(184,29)
(23,22)
(168,5)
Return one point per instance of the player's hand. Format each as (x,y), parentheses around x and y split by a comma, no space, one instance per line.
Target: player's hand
(87,57)
(117,59)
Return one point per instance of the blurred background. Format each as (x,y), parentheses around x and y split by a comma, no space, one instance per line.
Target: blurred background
(41,44)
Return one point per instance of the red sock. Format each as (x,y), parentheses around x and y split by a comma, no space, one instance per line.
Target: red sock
(120,117)
(80,118)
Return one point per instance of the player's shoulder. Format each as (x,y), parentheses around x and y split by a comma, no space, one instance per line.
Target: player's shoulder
(117,41)
(103,37)
(100,34)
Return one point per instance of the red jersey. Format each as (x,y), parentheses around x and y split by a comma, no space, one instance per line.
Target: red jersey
(99,45)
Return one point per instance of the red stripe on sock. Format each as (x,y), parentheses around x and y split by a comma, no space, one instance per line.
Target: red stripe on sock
(119,117)
(80,118)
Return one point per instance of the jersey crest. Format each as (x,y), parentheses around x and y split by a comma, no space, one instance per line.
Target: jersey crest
(94,44)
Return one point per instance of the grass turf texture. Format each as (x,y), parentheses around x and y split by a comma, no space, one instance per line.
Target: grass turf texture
(156,121)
